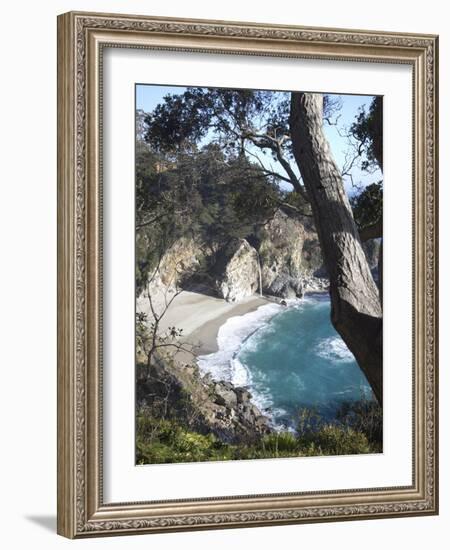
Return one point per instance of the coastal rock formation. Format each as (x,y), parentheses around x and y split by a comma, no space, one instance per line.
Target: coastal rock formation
(281,257)
(171,390)
(290,255)
(178,263)
(236,271)
(315,283)
(286,286)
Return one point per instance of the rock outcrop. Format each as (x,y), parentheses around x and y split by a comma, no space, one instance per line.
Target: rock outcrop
(290,256)
(236,271)
(171,390)
(180,261)
(286,286)
(283,257)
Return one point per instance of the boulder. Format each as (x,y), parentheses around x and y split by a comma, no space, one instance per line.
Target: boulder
(243,395)
(236,271)
(216,407)
(286,286)
(225,396)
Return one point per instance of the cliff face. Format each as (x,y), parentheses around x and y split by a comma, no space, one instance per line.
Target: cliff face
(178,263)
(290,256)
(282,258)
(182,266)
(237,271)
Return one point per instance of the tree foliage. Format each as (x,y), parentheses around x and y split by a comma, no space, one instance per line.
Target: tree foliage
(368,132)
(368,205)
(204,193)
(240,122)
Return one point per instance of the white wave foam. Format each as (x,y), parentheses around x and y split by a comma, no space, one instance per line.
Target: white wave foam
(223,365)
(334,349)
(242,377)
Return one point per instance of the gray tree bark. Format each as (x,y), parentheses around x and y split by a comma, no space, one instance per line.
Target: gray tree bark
(356,311)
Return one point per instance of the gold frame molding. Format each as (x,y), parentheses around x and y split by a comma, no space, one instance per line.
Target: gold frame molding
(81,37)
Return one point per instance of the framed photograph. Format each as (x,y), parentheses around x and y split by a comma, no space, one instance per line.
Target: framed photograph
(247,276)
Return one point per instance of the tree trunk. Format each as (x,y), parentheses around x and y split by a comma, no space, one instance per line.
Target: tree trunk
(355,303)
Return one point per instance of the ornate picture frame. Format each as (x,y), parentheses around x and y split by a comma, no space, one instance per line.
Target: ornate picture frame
(82,38)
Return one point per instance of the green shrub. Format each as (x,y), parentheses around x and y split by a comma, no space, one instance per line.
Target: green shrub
(357,429)
(364,416)
(334,440)
(167,440)
(278,443)
(164,441)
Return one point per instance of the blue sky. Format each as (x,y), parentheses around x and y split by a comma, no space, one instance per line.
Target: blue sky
(148,96)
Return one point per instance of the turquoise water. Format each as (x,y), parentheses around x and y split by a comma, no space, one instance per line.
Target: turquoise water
(298,360)
(289,358)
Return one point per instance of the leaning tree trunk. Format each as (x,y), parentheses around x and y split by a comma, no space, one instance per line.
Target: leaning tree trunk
(355,303)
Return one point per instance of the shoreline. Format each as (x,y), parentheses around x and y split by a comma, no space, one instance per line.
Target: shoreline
(206,335)
(200,317)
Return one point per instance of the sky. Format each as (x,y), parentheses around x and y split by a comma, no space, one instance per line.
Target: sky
(148,96)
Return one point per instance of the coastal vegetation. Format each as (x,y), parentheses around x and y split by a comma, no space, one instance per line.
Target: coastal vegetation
(356,431)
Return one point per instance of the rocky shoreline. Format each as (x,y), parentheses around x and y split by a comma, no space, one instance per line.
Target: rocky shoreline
(197,400)
(180,392)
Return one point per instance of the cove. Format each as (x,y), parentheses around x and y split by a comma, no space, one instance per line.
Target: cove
(290,358)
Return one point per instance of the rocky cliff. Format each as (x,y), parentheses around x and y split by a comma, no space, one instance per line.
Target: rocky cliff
(237,271)
(177,391)
(290,256)
(183,259)
(282,258)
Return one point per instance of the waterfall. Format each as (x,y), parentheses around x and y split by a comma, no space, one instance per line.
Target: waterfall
(260,273)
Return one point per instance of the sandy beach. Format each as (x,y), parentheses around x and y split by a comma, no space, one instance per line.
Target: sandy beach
(200,316)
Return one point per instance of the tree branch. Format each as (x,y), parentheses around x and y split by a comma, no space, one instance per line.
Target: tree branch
(266,171)
(266,141)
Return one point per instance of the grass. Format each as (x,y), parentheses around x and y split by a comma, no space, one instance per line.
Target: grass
(357,430)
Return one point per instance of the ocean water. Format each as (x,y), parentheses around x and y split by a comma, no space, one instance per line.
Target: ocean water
(289,358)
